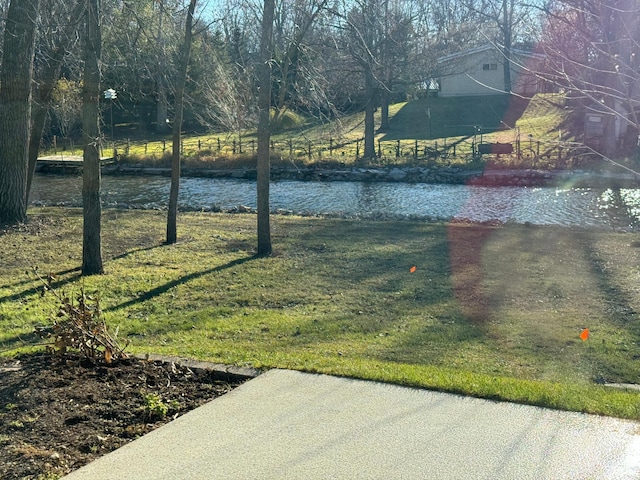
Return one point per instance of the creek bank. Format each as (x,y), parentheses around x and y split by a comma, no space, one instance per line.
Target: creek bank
(434,175)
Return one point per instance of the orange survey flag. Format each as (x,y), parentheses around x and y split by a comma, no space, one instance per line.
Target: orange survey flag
(412,269)
(584,334)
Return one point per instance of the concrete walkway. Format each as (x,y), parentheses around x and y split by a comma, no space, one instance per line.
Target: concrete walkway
(291,425)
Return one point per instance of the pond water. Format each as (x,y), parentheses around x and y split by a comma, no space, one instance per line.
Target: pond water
(604,208)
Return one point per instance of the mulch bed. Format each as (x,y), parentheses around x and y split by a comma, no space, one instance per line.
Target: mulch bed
(58,413)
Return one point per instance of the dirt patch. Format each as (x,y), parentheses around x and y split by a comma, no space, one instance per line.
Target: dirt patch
(59,413)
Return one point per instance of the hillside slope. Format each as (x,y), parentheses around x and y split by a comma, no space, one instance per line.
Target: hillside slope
(431,118)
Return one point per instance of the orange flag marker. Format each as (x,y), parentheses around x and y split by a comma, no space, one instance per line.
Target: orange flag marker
(584,334)
(412,269)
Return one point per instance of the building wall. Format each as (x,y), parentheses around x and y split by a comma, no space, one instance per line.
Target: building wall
(481,73)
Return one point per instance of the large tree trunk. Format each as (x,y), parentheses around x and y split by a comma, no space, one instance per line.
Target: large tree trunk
(92,208)
(264,129)
(172,216)
(15,108)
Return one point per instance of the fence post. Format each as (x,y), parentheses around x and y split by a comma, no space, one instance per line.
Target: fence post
(234,146)
(253,146)
(398,149)
(219,146)
(379,149)
(199,145)
(559,157)
(290,148)
(309,151)
(240,145)
(357,149)
(164,145)
(330,146)
(454,149)
(415,152)
(55,144)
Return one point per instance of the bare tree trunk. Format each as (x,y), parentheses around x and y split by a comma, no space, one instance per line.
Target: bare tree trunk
(384,111)
(15,108)
(161,101)
(91,206)
(507,28)
(264,129)
(369,120)
(172,216)
(385,93)
(162,110)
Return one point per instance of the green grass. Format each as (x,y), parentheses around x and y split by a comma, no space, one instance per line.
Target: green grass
(494,312)
(303,142)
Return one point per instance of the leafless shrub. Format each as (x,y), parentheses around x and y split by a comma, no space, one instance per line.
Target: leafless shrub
(79,326)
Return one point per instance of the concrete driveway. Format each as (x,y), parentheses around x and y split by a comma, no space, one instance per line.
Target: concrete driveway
(291,425)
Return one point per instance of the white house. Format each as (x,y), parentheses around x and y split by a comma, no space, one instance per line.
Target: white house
(480,71)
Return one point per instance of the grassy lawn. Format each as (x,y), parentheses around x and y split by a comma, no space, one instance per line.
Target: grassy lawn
(494,312)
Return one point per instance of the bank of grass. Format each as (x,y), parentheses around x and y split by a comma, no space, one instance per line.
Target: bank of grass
(494,312)
(429,123)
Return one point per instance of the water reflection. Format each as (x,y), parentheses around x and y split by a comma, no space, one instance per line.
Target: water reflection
(619,208)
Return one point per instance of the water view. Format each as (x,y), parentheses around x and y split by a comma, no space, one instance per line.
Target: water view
(603,208)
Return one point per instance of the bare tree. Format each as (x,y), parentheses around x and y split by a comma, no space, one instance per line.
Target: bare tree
(507,17)
(593,52)
(376,40)
(15,108)
(141,51)
(91,205)
(177,127)
(292,79)
(264,129)
(363,39)
(227,91)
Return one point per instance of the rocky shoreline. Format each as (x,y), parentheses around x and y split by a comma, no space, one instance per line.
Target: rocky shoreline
(436,175)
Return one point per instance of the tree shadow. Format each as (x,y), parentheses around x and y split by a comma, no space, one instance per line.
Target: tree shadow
(155,292)
(58,281)
(54,284)
(137,250)
(370,271)
(617,305)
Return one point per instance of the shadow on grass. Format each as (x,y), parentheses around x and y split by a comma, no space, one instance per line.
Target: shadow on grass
(370,271)
(155,292)
(29,339)
(137,250)
(59,282)
(617,306)
(56,284)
